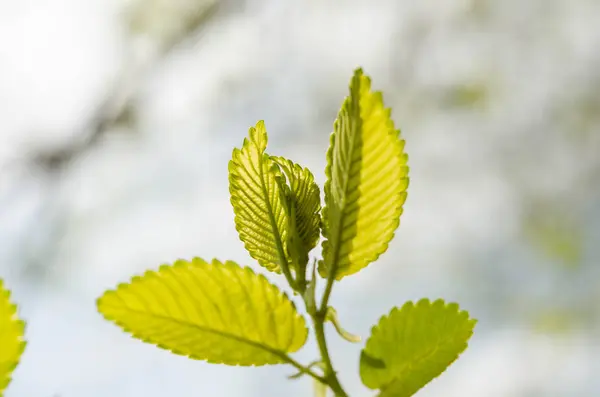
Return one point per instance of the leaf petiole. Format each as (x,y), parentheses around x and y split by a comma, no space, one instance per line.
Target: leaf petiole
(306,370)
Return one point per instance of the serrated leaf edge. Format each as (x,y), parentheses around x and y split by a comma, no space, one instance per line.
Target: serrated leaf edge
(261,144)
(399,200)
(182,262)
(424,301)
(22,343)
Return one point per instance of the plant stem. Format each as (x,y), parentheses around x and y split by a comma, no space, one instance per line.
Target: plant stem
(330,374)
(318,316)
(326,295)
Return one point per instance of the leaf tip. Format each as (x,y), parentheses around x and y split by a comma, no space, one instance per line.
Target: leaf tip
(258,135)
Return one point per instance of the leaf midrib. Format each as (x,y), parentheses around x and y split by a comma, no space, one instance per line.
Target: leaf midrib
(356,130)
(419,360)
(282,256)
(279,353)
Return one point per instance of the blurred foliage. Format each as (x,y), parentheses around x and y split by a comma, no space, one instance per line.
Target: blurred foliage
(479,9)
(581,116)
(555,232)
(557,320)
(467,95)
(168,21)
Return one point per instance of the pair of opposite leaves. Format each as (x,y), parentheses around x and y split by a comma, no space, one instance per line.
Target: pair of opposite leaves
(224,313)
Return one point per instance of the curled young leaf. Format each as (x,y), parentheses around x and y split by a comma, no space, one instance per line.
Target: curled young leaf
(305,193)
(413,345)
(12,343)
(218,312)
(304,202)
(367,178)
(332,316)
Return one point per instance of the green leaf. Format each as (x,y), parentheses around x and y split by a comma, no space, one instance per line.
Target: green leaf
(12,343)
(218,312)
(367,178)
(413,345)
(261,216)
(304,198)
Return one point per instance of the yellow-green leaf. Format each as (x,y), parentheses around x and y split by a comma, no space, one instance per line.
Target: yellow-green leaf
(306,201)
(258,201)
(367,178)
(413,345)
(12,342)
(218,312)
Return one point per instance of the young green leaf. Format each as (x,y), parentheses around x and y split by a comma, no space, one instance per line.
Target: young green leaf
(12,343)
(218,312)
(332,316)
(261,217)
(413,345)
(304,197)
(366,184)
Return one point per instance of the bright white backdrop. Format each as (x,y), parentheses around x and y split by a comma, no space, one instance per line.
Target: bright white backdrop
(498,102)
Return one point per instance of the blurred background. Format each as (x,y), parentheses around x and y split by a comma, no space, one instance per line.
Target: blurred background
(117,121)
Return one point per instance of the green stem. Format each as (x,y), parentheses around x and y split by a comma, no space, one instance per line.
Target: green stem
(318,316)
(326,295)
(330,374)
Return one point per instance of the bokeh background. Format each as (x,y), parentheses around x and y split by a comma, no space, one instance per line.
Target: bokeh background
(117,120)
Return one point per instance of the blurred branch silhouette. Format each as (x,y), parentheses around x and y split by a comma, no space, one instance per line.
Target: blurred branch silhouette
(156,29)
(159,27)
